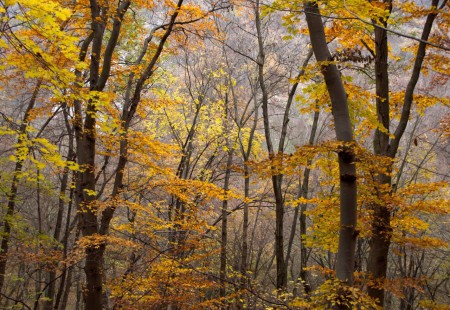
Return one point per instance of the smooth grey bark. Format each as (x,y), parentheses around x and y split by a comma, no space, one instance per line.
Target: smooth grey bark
(344,133)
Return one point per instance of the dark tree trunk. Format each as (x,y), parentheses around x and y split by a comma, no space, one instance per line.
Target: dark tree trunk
(86,138)
(381,228)
(381,231)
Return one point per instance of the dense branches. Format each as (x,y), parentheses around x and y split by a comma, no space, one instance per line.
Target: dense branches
(182,154)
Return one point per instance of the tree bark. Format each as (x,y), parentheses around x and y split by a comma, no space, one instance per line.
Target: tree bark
(245,221)
(12,195)
(86,139)
(381,228)
(277,178)
(344,133)
(304,193)
(50,293)
(281,150)
(226,187)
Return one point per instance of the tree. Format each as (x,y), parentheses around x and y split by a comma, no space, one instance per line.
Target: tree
(384,145)
(150,150)
(38,47)
(344,133)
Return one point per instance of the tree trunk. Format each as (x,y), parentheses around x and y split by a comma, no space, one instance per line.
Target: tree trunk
(12,195)
(381,228)
(50,293)
(226,187)
(86,138)
(277,178)
(281,144)
(245,221)
(303,192)
(344,133)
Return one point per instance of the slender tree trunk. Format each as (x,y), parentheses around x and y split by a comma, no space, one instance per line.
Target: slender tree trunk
(64,291)
(226,187)
(281,281)
(281,144)
(79,298)
(244,253)
(304,193)
(344,133)
(303,251)
(12,195)
(303,277)
(224,237)
(65,240)
(50,293)
(245,221)
(304,185)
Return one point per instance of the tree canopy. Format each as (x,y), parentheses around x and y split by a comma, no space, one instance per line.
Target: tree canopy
(224,154)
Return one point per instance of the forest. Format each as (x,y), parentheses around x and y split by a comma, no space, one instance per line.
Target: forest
(224,154)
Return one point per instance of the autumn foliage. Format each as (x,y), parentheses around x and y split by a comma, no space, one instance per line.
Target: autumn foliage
(224,154)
